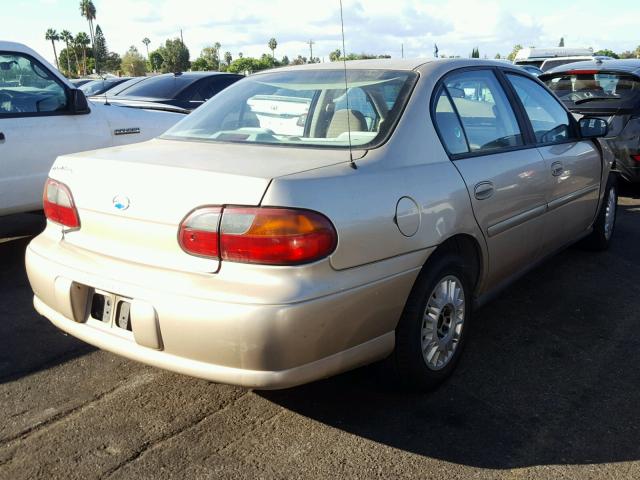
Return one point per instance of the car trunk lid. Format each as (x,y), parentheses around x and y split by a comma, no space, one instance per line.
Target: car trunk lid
(131,200)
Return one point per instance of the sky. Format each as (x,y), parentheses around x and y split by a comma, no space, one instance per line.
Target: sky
(371,26)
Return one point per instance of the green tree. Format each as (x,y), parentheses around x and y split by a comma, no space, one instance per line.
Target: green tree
(209,58)
(82,41)
(607,53)
(146,42)
(300,60)
(335,55)
(53,36)
(273,44)
(113,63)
(100,47)
(88,11)
(228,58)
(133,63)
(284,61)
(497,57)
(475,53)
(175,56)
(514,52)
(67,38)
(155,60)
(561,44)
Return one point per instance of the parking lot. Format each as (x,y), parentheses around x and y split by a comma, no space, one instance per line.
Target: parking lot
(547,388)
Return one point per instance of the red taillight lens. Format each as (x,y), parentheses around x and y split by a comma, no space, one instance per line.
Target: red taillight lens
(269,236)
(199,232)
(275,236)
(583,72)
(58,204)
(636,157)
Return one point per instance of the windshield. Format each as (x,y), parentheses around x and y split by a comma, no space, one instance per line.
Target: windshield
(162,86)
(303,108)
(608,90)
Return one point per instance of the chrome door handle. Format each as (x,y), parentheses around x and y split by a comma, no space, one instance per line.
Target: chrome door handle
(557,169)
(483,190)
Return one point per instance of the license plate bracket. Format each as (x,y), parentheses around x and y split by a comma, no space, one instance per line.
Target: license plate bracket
(111,309)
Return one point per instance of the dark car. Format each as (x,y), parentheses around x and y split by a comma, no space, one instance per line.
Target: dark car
(78,82)
(182,92)
(532,69)
(610,90)
(98,87)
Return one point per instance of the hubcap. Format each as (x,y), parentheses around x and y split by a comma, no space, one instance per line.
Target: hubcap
(442,322)
(610,213)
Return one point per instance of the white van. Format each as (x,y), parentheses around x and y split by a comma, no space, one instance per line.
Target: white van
(536,56)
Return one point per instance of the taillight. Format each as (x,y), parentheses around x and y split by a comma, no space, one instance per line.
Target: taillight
(636,157)
(268,236)
(58,204)
(199,232)
(275,236)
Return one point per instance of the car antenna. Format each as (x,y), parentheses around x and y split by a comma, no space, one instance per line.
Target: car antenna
(106,100)
(346,89)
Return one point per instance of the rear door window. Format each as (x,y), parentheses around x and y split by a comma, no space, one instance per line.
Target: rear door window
(484,111)
(550,121)
(449,126)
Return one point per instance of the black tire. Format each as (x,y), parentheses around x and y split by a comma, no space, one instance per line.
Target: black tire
(599,240)
(406,368)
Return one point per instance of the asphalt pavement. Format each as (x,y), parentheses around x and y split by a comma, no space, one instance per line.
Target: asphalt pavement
(548,388)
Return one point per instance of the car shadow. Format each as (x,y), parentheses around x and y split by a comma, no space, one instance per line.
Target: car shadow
(28,342)
(549,376)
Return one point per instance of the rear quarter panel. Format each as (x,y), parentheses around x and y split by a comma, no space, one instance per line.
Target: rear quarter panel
(362,202)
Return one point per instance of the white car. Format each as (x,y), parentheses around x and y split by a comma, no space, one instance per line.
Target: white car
(43,116)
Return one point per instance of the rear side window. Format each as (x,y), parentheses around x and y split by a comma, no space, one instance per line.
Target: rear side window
(484,110)
(449,125)
(549,120)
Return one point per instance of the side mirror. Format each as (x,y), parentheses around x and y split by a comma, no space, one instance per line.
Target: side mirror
(78,104)
(593,127)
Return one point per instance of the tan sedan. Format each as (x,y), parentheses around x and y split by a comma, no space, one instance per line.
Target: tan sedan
(290,229)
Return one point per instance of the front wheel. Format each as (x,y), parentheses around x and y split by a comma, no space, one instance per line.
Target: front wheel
(605,223)
(431,332)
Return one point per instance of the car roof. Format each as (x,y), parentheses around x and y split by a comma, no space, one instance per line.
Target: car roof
(623,65)
(423,65)
(196,75)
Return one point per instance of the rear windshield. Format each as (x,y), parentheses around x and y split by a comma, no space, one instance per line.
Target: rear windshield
(100,86)
(303,108)
(162,87)
(591,89)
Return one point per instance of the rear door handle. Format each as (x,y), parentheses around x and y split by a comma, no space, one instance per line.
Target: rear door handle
(557,169)
(483,190)
(2,137)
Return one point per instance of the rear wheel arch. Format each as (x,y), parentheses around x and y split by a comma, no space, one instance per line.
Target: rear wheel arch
(468,249)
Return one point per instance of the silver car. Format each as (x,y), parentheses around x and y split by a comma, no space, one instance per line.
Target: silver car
(310,220)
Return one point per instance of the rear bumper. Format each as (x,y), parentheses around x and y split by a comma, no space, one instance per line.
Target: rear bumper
(249,344)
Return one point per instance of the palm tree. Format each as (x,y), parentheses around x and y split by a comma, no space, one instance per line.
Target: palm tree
(88,11)
(228,58)
(146,42)
(82,40)
(273,43)
(52,35)
(66,37)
